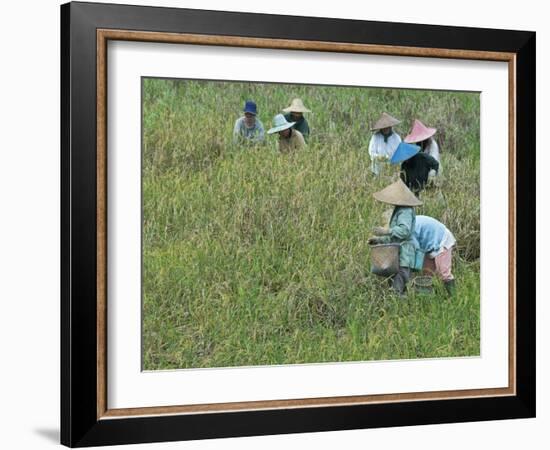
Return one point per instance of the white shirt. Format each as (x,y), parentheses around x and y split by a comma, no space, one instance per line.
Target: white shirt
(378,148)
(432,149)
(447,242)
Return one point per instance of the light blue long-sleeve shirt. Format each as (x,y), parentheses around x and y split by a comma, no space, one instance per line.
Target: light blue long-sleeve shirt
(432,235)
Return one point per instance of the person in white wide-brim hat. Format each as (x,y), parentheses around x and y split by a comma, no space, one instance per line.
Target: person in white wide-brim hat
(400,230)
(295,113)
(289,139)
(383,142)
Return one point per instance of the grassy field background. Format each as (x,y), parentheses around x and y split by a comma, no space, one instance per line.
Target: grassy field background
(252,257)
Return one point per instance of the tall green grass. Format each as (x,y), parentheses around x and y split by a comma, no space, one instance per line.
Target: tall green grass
(253,257)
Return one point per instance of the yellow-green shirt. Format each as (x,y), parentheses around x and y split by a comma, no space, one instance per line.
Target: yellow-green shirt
(294,142)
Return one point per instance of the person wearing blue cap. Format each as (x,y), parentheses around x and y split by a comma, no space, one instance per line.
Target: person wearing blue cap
(248,127)
(415,166)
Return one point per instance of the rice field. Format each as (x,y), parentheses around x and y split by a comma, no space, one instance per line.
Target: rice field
(252,257)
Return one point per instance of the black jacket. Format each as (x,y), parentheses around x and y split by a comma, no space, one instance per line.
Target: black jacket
(414,171)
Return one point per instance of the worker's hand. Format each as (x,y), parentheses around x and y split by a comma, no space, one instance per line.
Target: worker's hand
(381,231)
(374,240)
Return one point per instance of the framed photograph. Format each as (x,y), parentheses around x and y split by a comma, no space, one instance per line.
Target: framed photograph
(277,224)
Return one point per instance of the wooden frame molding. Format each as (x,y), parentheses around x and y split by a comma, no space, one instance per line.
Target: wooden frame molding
(103,36)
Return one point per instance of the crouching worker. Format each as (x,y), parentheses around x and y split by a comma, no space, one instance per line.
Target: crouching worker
(400,230)
(295,113)
(289,138)
(415,166)
(383,142)
(437,243)
(249,128)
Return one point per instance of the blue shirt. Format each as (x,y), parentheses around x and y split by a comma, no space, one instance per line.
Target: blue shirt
(429,233)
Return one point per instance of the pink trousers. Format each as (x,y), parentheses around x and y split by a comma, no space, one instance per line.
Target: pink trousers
(440,265)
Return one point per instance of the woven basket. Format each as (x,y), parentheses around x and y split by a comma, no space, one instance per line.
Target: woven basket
(384,259)
(423,284)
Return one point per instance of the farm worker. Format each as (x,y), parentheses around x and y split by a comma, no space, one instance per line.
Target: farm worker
(415,166)
(422,136)
(383,142)
(289,138)
(295,113)
(437,243)
(248,127)
(401,230)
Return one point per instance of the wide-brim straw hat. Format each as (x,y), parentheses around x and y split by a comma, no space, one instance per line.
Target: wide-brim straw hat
(280,124)
(397,194)
(419,132)
(385,121)
(403,152)
(296,106)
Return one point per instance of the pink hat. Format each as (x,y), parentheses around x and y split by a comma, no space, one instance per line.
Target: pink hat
(419,132)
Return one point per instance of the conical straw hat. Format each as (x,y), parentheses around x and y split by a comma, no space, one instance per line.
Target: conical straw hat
(403,152)
(397,194)
(419,132)
(385,121)
(296,106)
